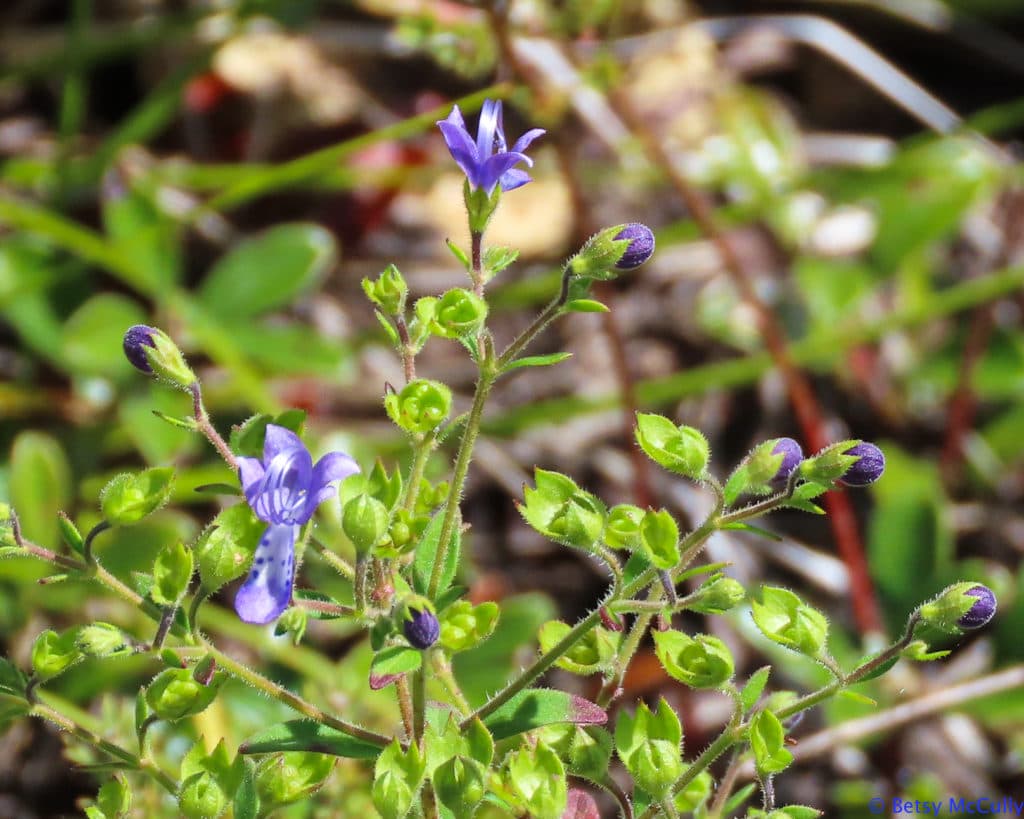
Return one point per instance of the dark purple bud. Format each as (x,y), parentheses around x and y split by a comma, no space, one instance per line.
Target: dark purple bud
(868,469)
(134,340)
(792,455)
(641,245)
(422,628)
(982,611)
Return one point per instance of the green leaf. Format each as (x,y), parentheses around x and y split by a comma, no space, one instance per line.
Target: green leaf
(224,551)
(752,691)
(129,498)
(395,660)
(268,271)
(426,551)
(92,336)
(537,361)
(139,230)
(585,306)
(537,707)
(307,735)
(247,438)
(39,484)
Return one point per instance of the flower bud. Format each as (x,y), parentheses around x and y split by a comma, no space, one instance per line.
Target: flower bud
(364,519)
(115,797)
(785,619)
(680,449)
(464,625)
(579,522)
(612,250)
(388,292)
(54,653)
(649,745)
(792,455)
(591,653)
(623,528)
(962,606)
(201,796)
(420,407)
(419,624)
(101,640)
(153,352)
(701,661)
(561,511)
(175,693)
(641,245)
(460,784)
(869,467)
(459,313)
(659,538)
(718,596)
(285,778)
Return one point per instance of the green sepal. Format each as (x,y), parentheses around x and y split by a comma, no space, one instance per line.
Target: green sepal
(225,549)
(53,653)
(465,626)
(421,407)
(785,619)
(680,449)
(659,539)
(172,572)
(128,498)
(397,776)
(768,742)
(650,746)
(591,653)
(285,778)
(175,693)
(114,797)
(537,776)
(700,661)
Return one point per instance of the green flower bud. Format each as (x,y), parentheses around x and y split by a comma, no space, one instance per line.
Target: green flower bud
(101,640)
(696,793)
(128,498)
(785,619)
(171,574)
(683,450)
(612,250)
(364,520)
(54,653)
(201,797)
(397,775)
(659,539)
(623,528)
(960,607)
(294,621)
(537,777)
(718,596)
(388,291)
(459,313)
(115,797)
(420,407)
(152,351)
(650,746)
(590,654)
(460,784)
(465,626)
(590,750)
(175,693)
(768,742)
(480,205)
(561,511)
(701,661)
(285,778)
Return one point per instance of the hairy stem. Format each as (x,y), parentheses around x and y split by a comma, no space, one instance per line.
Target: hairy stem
(207,428)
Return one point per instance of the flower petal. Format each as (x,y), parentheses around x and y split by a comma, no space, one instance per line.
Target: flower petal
(515,178)
(334,466)
(524,141)
(279,440)
(462,149)
(283,494)
(268,591)
(250,475)
(490,125)
(497,166)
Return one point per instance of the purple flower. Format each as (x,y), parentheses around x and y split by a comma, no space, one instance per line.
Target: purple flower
(487,161)
(134,339)
(283,489)
(982,611)
(641,245)
(792,455)
(422,628)
(868,469)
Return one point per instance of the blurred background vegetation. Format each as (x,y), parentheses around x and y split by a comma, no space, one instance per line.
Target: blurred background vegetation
(836,194)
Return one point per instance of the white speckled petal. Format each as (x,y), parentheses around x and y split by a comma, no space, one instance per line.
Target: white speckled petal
(268,590)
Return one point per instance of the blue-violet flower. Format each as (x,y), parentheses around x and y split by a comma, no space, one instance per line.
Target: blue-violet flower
(283,489)
(422,628)
(488,162)
(139,335)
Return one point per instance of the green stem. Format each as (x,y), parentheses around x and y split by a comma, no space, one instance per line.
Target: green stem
(420,456)
(116,751)
(291,699)
(549,314)
(99,528)
(443,672)
(668,808)
(419,703)
(404,694)
(338,563)
(208,429)
(462,459)
(362,566)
